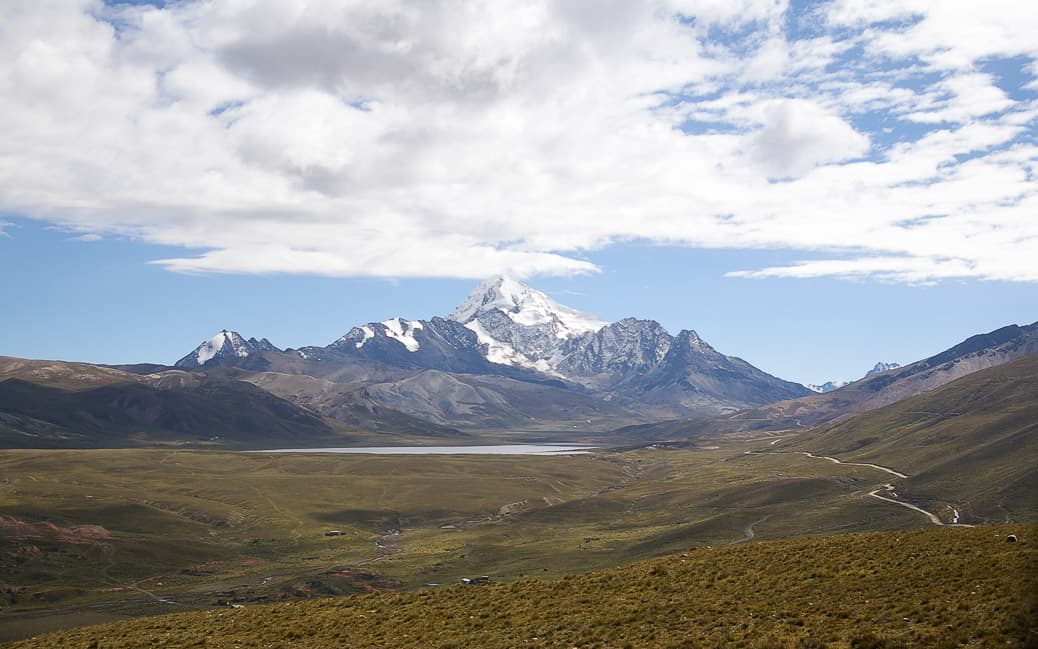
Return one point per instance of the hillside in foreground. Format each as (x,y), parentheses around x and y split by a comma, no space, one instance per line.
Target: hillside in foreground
(950,587)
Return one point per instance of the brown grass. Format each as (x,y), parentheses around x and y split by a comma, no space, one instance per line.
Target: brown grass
(934,588)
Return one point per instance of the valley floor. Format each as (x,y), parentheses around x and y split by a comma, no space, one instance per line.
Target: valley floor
(93,536)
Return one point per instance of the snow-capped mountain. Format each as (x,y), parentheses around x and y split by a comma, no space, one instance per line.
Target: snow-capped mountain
(437,343)
(510,327)
(517,325)
(398,329)
(226,345)
(829,386)
(503,323)
(524,306)
(507,329)
(882,367)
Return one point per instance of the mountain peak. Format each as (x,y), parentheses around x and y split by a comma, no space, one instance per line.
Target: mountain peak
(882,367)
(225,344)
(524,306)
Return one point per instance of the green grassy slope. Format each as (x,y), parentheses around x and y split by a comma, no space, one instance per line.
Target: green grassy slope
(935,588)
(971,444)
(203,527)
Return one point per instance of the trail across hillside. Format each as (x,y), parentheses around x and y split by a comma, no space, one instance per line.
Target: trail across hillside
(748,532)
(838,461)
(831,459)
(934,518)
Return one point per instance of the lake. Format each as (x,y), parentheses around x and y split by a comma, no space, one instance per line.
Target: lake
(501,449)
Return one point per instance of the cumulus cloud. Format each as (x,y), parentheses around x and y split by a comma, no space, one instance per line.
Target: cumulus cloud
(798,135)
(449,138)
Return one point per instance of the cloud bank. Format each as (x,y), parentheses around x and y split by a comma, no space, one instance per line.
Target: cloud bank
(458,139)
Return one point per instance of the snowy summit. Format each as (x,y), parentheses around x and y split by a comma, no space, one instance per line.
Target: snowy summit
(517,325)
(524,306)
(224,345)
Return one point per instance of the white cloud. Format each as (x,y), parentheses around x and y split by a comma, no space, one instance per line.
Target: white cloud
(798,135)
(952,35)
(899,269)
(970,96)
(448,138)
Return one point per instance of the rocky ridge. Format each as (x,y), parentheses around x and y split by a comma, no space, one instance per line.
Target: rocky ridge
(504,328)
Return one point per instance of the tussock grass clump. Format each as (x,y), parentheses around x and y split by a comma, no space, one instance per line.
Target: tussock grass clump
(935,588)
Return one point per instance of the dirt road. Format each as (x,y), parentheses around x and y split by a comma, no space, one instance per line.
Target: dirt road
(934,518)
(748,532)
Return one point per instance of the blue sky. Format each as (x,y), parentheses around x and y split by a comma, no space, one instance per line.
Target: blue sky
(813,186)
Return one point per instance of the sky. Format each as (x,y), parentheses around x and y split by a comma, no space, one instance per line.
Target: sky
(811,186)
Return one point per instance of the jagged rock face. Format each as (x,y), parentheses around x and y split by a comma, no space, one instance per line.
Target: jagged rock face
(431,344)
(705,377)
(531,343)
(618,352)
(225,346)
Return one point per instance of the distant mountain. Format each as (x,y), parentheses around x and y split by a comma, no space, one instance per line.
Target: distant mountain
(510,334)
(224,346)
(829,386)
(887,387)
(882,367)
(884,388)
(53,404)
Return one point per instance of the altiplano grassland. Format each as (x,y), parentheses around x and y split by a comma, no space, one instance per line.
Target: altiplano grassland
(968,447)
(183,530)
(943,588)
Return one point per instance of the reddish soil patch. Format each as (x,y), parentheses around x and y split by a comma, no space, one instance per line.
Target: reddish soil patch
(12,529)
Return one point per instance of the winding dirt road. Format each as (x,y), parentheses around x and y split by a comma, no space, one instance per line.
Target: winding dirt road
(934,518)
(831,459)
(838,461)
(748,531)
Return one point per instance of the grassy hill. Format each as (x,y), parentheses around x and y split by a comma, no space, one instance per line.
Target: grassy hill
(934,588)
(201,527)
(88,536)
(971,444)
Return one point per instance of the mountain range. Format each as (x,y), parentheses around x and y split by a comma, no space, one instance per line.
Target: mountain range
(875,390)
(507,359)
(505,345)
